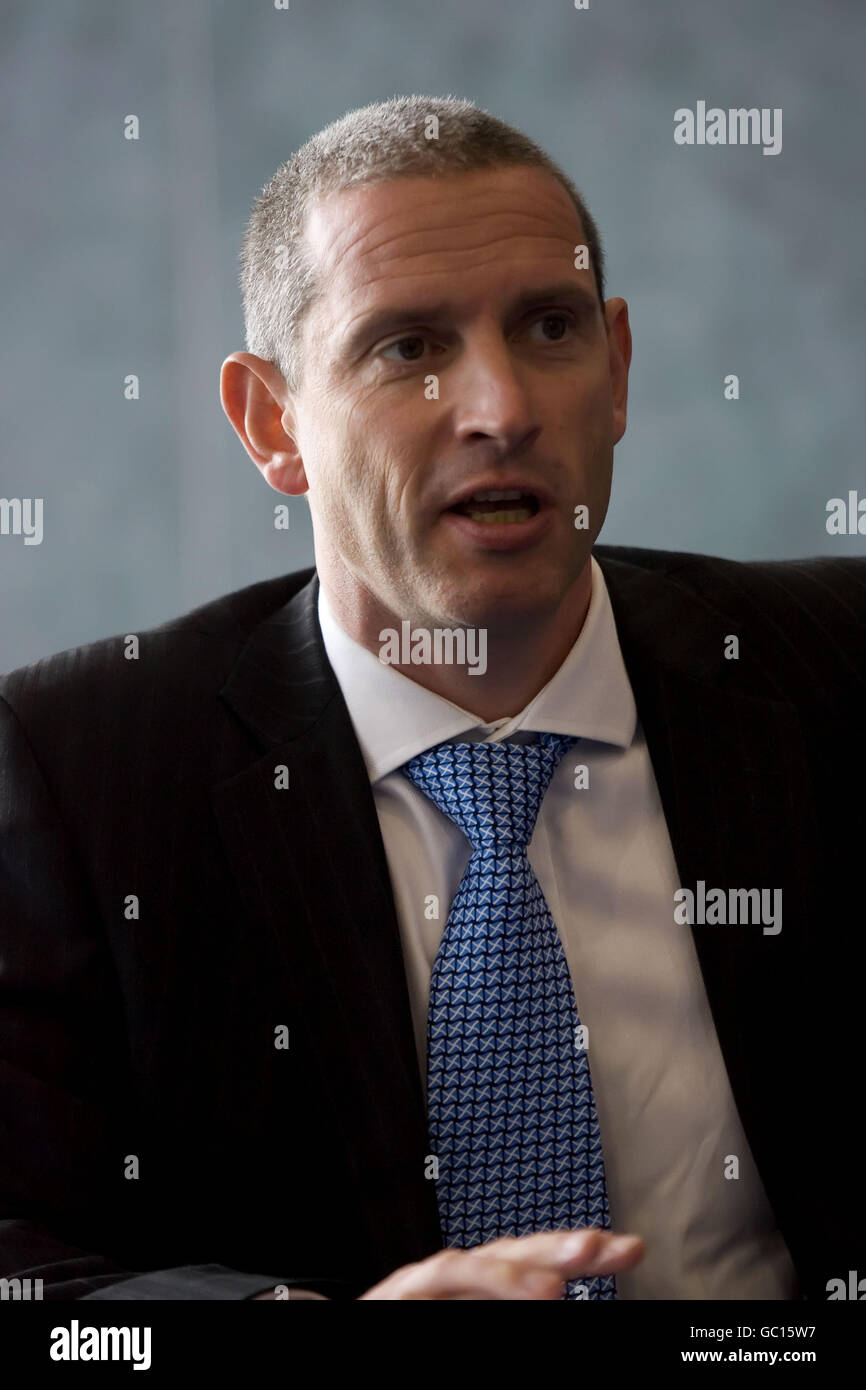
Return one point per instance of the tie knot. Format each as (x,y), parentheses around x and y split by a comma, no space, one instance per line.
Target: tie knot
(491,791)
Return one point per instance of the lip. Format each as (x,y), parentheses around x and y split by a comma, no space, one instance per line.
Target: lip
(502,485)
(503,535)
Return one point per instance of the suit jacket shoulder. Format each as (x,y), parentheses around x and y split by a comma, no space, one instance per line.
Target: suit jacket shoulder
(800,624)
(195,645)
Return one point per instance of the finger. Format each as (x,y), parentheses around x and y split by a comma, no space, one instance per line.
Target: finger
(602,1254)
(590,1249)
(504,1269)
(540,1245)
(450,1275)
(526,1267)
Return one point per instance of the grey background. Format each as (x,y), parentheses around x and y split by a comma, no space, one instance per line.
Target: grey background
(121,257)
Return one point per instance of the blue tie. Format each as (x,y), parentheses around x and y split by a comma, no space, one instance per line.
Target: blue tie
(511,1112)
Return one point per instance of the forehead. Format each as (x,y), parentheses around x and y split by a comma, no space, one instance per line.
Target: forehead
(447,232)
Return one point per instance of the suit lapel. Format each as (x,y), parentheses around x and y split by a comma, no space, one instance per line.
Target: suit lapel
(311,860)
(732,773)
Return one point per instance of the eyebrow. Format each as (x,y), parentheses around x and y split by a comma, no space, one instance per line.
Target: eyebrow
(391,319)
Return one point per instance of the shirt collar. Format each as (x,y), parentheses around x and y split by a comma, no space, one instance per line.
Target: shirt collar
(395,718)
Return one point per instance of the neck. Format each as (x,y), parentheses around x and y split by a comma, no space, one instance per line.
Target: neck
(512,662)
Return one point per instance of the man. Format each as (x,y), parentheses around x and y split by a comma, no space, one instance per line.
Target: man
(528,971)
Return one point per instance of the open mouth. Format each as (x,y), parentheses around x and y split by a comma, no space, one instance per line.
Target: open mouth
(499,508)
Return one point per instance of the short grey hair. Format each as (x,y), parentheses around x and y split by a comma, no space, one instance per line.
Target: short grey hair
(385,140)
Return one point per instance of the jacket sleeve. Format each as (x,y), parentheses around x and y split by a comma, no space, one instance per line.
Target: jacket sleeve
(64,1070)
(29,1253)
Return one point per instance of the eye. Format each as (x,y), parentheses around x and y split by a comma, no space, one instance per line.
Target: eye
(411,338)
(557,323)
(557,319)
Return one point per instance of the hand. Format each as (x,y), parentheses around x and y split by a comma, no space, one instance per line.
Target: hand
(534,1266)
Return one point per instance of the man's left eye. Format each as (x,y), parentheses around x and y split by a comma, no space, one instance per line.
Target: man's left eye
(560,321)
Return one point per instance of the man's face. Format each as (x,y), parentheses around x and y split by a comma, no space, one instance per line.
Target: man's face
(469,280)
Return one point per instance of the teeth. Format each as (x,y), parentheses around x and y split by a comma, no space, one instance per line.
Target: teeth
(496,495)
(515,514)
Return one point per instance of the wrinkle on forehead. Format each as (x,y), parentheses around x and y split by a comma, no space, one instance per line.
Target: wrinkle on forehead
(423,229)
(359,232)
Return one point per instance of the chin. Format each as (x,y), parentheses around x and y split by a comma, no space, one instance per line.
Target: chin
(493,608)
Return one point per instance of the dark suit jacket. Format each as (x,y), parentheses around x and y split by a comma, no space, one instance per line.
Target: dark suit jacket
(142,1041)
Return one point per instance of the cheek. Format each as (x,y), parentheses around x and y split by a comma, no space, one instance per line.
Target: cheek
(591,418)
(354,408)
(592,391)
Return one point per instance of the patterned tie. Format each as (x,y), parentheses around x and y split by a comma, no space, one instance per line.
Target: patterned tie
(511,1112)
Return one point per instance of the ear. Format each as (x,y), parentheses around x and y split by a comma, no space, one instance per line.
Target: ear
(256,400)
(619,358)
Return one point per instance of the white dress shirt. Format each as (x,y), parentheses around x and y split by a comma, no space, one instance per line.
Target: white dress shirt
(604,861)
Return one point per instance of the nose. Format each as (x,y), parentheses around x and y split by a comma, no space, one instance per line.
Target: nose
(491,394)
